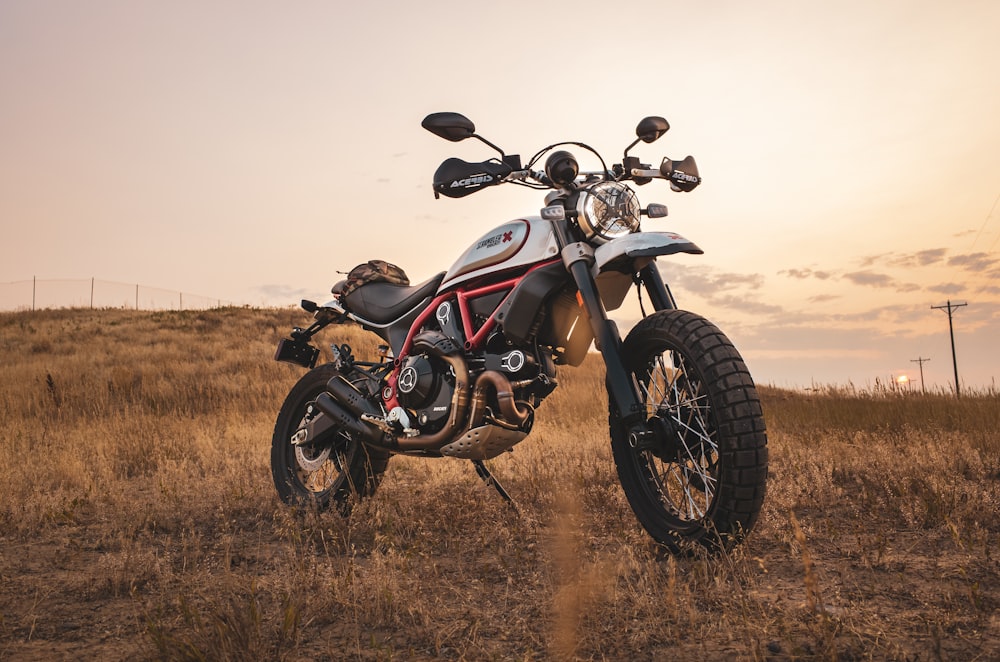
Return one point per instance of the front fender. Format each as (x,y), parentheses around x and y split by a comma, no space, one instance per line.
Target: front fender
(616,261)
(626,253)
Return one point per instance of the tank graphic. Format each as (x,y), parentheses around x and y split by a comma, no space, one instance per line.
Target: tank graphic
(515,244)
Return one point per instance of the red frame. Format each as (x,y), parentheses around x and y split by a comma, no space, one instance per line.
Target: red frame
(475,339)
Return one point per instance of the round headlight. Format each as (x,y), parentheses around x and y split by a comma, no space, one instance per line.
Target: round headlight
(607,210)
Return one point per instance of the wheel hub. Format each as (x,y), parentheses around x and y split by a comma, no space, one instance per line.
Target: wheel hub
(660,439)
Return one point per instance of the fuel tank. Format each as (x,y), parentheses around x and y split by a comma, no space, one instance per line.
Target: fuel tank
(518,243)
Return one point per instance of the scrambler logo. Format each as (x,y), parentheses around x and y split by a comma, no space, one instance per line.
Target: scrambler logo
(490,242)
(496,240)
(469,182)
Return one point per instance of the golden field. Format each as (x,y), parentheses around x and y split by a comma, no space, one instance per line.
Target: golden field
(138,520)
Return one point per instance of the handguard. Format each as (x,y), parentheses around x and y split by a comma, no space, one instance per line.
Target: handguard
(456,178)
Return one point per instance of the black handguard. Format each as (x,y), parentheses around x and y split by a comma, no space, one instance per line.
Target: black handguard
(456,178)
(683,175)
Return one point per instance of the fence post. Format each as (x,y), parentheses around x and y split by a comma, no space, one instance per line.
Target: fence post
(137,296)
(91,292)
(33,285)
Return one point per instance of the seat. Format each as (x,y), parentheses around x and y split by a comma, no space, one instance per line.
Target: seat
(382,303)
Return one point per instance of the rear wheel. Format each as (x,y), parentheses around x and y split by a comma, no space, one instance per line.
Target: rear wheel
(699,476)
(330,471)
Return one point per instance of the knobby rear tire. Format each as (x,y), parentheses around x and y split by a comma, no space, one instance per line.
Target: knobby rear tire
(701,478)
(335,473)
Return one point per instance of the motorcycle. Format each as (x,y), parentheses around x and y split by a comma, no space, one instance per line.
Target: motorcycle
(470,354)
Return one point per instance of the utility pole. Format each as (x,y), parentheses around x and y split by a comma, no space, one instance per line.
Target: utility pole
(952,307)
(921,360)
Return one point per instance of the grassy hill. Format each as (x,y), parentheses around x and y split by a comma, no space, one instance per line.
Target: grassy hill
(138,519)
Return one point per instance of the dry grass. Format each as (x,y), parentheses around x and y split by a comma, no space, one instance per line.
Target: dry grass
(138,519)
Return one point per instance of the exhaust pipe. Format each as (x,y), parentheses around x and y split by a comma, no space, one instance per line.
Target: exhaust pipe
(515,413)
(348,421)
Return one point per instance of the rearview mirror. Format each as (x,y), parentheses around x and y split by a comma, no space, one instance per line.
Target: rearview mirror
(651,128)
(450,126)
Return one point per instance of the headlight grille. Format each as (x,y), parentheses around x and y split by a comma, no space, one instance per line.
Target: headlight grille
(608,210)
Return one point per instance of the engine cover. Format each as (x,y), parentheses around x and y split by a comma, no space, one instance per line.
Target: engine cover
(424,387)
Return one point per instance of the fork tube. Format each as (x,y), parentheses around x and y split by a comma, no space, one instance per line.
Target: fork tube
(578,258)
(659,292)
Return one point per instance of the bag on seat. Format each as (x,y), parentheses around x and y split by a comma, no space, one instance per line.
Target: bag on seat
(374,271)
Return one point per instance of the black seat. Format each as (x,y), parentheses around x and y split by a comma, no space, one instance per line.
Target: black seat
(386,302)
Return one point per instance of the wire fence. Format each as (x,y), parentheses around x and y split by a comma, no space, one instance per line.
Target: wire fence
(39,294)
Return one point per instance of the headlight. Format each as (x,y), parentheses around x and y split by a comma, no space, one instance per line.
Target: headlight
(607,210)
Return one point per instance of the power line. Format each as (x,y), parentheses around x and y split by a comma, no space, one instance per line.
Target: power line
(921,360)
(985,221)
(952,307)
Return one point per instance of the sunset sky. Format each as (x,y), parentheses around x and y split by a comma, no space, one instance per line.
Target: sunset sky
(247,151)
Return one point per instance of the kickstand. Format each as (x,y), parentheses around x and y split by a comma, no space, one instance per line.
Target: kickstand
(489,479)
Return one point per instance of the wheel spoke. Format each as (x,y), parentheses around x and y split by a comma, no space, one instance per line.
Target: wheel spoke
(670,390)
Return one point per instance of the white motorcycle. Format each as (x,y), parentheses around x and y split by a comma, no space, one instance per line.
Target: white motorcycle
(470,354)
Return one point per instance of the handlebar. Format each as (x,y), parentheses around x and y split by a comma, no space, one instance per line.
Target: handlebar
(456,178)
(682,175)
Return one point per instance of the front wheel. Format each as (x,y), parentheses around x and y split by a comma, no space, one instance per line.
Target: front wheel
(330,471)
(699,475)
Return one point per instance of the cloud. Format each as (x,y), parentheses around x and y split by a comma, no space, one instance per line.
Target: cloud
(745,305)
(869,260)
(870,278)
(805,273)
(707,281)
(972,261)
(822,298)
(920,258)
(989,289)
(947,288)
(876,279)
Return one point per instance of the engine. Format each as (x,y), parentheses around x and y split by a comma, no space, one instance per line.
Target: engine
(426,383)
(426,386)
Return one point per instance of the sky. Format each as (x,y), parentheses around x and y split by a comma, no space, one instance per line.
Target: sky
(248,151)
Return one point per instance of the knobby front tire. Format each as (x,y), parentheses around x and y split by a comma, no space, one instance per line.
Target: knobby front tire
(700,478)
(331,473)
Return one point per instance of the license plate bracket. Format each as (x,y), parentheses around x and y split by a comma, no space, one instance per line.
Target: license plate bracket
(298,352)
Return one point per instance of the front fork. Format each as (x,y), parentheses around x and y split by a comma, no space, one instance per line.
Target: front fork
(658,291)
(579,258)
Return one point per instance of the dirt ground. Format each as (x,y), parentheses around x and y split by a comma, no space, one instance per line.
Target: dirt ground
(71,592)
(138,520)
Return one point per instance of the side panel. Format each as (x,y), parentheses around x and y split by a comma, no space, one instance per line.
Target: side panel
(548,292)
(515,244)
(518,312)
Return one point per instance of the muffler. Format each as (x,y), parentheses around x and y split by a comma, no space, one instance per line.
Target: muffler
(350,397)
(349,421)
